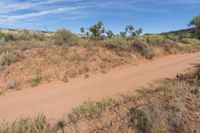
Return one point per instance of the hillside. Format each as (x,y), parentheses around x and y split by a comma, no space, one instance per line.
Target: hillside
(30,59)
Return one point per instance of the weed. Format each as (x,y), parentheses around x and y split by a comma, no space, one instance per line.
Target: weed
(36,80)
(7,58)
(87,76)
(65,78)
(89,109)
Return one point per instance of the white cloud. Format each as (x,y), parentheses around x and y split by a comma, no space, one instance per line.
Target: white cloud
(13,10)
(37,14)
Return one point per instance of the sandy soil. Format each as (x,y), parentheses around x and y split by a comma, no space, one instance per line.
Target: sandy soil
(57,98)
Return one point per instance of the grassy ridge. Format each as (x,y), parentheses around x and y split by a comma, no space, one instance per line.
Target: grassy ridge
(28,57)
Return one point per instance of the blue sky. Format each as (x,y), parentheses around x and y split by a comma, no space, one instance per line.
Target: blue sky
(153,16)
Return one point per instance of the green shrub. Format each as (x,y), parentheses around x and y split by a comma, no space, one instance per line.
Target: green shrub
(170,36)
(154,39)
(144,49)
(39,37)
(186,35)
(36,80)
(6,37)
(190,41)
(7,58)
(114,43)
(65,37)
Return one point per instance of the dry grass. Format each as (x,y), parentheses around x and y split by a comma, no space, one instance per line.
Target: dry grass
(75,56)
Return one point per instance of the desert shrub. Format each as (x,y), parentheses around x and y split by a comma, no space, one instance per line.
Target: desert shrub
(39,37)
(89,109)
(114,43)
(36,80)
(149,119)
(186,35)
(27,125)
(170,36)
(65,37)
(27,35)
(12,85)
(144,49)
(23,35)
(6,37)
(190,41)
(7,58)
(154,39)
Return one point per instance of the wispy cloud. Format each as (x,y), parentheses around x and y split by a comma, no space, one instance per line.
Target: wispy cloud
(39,11)
(13,10)
(11,18)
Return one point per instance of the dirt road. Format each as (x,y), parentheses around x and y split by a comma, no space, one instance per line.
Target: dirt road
(57,98)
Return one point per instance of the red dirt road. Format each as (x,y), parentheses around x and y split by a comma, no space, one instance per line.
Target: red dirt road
(57,98)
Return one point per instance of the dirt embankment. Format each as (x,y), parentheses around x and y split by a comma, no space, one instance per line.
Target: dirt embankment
(56,98)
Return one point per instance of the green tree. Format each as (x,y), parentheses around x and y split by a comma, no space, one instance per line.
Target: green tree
(129,29)
(196,22)
(97,30)
(123,34)
(82,29)
(110,34)
(139,31)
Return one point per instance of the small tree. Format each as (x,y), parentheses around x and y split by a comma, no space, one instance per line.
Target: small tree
(139,31)
(82,29)
(110,34)
(129,29)
(97,30)
(196,22)
(123,34)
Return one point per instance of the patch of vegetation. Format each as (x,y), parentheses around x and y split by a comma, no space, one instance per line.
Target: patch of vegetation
(37,124)
(36,80)
(7,58)
(190,41)
(6,37)
(143,48)
(64,36)
(149,119)
(89,109)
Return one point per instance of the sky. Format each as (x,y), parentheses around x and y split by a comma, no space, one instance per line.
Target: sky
(154,16)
